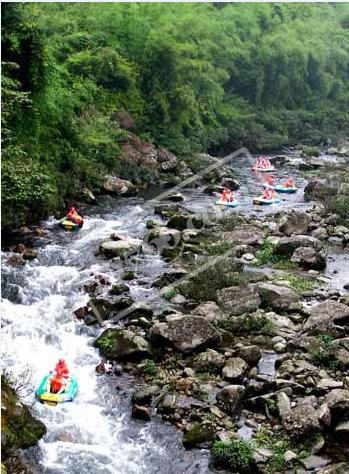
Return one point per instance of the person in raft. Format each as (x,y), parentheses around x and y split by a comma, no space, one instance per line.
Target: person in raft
(289,183)
(227,196)
(74,216)
(269,194)
(270,180)
(60,377)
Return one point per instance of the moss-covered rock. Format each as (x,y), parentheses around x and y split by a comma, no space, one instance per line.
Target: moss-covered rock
(122,344)
(19,429)
(198,435)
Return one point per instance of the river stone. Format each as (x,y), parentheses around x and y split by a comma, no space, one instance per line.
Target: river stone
(294,223)
(120,248)
(239,299)
(228,398)
(234,369)
(230,183)
(143,395)
(169,277)
(198,435)
(186,334)
(319,189)
(323,316)
(182,221)
(245,234)
(119,289)
(339,468)
(283,404)
(30,254)
(320,233)
(302,420)
(209,361)
(250,354)
(120,187)
(140,412)
(287,245)
(314,463)
(209,310)
(163,238)
(277,296)
(122,344)
(309,258)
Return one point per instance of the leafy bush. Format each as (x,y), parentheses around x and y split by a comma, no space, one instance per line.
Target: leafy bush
(169,294)
(234,454)
(149,367)
(266,255)
(248,323)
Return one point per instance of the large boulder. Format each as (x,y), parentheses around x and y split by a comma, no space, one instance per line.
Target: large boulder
(250,354)
(239,299)
(19,429)
(122,344)
(277,296)
(287,245)
(185,220)
(118,186)
(320,189)
(309,258)
(294,223)
(186,334)
(245,234)
(230,183)
(228,398)
(163,238)
(120,248)
(323,316)
(302,420)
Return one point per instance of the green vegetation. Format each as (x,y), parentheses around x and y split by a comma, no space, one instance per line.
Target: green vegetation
(149,367)
(266,255)
(169,294)
(300,283)
(234,454)
(248,323)
(265,440)
(325,355)
(189,77)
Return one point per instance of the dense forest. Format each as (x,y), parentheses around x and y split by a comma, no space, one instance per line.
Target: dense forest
(189,77)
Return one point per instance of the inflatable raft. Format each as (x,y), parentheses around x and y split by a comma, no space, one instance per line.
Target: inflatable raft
(264,170)
(69,225)
(45,396)
(281,189)
(261,201)
(227,203)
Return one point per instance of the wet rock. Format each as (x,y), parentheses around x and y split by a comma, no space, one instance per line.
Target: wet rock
(230,183)
(144,395)
(163,238)
(198,435)
(250,354)
(229,397)
(140,412)
(235,369)
(178,197)
(287,245)
(319,189)
(80,313)
(309,258)
(15,261)
(294,223)
(313,462)
(209,361)
(343,428)
(245,234)
(186,334)
(166,209)
(323,316)
(30,254)
(19,248)
(122,344)
(239,299)
(88,196)
(182,221)
(277,296)
(120,248)
(19,429)
(119,289)
(119,187)
(169,277)
(209,310)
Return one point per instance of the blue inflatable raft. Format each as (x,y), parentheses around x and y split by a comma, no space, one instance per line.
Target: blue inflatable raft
(45,396)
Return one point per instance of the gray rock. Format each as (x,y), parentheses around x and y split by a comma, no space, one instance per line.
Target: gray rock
(343,427)
(122,344)
(309,258)
(319,189)
(314,462)
(294,223)
(230,183)
(144,395)
(228,398)
(302,420)
(169,277)
(320,233)
(287,245)
(245,234)
(277,296)
(163,238)
(250,354)
(239,299)
(120,248)
(186,334)
(328,384)
(283,403)
(235,369)
(323,316)
(119,187)
(209,310)
(210,360)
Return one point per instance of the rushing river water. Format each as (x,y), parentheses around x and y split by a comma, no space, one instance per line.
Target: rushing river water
(95,434)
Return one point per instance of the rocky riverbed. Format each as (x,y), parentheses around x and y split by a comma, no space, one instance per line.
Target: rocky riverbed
(230,325)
